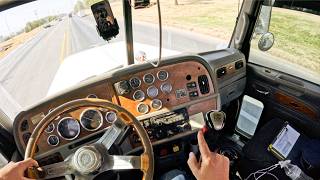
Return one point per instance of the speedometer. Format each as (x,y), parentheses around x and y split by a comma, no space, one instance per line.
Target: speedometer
(91,119)
(68,128)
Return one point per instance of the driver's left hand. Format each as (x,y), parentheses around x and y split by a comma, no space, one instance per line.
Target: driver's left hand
(15,170)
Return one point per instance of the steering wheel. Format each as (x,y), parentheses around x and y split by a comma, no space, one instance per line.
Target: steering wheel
(91,160)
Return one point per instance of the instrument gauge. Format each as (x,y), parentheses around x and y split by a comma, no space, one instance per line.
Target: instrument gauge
(111,116)
(50,128)
(138,95)
(143,108)
(166,88)
(162,75)
(152,91)
(68,128)
(53,140)
(148,78)
(91,119)
(135,82)
(156,104)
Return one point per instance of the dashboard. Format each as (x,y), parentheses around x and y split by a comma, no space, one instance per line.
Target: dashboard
(169,101)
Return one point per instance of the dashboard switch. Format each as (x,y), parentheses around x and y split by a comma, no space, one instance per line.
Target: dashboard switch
(193,94)
(203,84)
(191,85)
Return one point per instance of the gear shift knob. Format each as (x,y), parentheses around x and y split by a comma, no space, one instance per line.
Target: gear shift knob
(215,119)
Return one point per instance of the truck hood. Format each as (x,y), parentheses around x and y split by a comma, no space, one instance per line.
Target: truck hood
(97,60)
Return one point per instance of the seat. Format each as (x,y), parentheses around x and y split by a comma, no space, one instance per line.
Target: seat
(256,156)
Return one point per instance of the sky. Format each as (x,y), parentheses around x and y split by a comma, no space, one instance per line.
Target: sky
(15,19)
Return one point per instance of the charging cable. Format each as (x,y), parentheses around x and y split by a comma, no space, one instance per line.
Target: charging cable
(262,172)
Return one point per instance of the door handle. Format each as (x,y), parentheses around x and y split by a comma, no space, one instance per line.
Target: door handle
(262,92)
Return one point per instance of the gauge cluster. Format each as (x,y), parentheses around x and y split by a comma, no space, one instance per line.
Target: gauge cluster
(163,88)
(68,128)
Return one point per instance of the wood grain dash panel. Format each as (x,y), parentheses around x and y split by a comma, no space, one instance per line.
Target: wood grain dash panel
(295,104)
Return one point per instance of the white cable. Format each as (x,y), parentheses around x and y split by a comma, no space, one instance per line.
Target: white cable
(160,38)
(264,172)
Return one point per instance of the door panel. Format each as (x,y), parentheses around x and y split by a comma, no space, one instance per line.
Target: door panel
(285,97)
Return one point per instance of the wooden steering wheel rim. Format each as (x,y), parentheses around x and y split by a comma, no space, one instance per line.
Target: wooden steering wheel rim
(147,158)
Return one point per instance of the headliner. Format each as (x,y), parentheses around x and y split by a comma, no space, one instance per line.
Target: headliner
(309,4)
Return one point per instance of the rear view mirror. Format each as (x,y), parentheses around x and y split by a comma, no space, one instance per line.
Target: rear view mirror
(107,25)
(266,41)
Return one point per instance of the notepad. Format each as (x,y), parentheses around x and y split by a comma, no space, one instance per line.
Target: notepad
(284,142)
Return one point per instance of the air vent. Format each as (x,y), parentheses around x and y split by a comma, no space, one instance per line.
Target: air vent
(221,72)
(203,84)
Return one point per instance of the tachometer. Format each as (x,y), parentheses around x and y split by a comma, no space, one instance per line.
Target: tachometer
(91,119)
(68,128)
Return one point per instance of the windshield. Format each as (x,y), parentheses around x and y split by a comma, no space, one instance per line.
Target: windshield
(47,46)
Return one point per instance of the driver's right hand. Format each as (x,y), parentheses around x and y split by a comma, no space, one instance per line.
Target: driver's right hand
(212,166)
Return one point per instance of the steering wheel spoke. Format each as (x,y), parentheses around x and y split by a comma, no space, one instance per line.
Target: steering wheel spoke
(112,134)
(118,162)
(58,169)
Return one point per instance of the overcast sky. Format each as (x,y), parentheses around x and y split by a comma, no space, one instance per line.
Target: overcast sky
(15,19)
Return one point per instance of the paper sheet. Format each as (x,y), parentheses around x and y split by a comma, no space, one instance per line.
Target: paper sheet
(286,140)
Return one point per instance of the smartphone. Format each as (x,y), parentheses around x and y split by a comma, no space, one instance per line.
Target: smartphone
(107,25)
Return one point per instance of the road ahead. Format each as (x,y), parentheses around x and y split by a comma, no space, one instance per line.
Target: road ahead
(27,72)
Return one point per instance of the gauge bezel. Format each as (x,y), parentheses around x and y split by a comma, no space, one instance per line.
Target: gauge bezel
(95,96)
(153,102)
(135,77)
(152,80)
(165,72)
(143,104)
(144,95)
(52,128)
(161,87)
(150,88)
(109,112)
(101,117)
(53,136)
(69,139)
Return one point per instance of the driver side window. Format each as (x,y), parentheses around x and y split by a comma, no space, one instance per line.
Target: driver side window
(296,48)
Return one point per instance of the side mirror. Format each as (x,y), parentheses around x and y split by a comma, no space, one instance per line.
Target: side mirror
(263,21)
(266,41)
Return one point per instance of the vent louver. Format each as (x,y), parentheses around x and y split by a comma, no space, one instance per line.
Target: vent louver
(203,84)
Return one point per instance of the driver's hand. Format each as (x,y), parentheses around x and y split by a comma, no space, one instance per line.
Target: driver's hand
(212,166)
(15,170)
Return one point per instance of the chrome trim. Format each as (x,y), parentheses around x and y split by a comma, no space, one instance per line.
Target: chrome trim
(109,112)
(101,118)
(143,104)
(153,102)
(165,72)
(53,136)
(144,95)
(161,87)
(149,90)
(52,129)
(146,75)
(60,133)
(95,96)
(136,78)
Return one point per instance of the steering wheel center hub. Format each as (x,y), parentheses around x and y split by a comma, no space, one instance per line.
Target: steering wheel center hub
(86,160)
